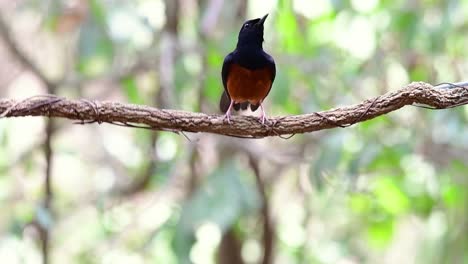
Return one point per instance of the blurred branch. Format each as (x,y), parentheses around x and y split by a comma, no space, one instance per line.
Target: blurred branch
(48,151)
(241,126)
(168,44)
(23,59)
(268,229)
(230,248)
(242,9)
(210,17)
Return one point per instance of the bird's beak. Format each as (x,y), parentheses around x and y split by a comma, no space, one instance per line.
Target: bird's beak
(263,20)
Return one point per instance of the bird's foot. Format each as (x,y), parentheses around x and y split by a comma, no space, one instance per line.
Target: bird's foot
(263,117)
(228,112)
(227,117)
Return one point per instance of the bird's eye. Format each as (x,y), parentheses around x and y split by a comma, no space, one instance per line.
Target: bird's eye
(247,25)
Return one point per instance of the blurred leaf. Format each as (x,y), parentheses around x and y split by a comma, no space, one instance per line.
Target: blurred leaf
(279,93)
(328,159)
(290,37)
(389,158)
(94,44)
(407,22)
(362,159)
(292,107)
(379,233)
(375,124)
(214,58)
(360,203)
(161,249)
(423,204)
(318,32)
(213,87)
(213,82)
(98,11)
(419,73)
(23,214)
(182,80)
(390,197)
(222,199)
(130,88)
(452,195)
(51,22)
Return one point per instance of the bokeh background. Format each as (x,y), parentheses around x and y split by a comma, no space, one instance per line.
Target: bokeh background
(389,190)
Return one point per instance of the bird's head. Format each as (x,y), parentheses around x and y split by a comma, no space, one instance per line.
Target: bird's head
(251,33)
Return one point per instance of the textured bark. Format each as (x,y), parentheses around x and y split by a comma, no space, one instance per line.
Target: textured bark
(241,126)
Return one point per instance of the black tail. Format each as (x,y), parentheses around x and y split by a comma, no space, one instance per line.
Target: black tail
(239,106)
(244,105)
(254,107)
(224,102)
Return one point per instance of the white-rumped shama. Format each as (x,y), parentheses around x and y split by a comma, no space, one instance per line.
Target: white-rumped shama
(248,72)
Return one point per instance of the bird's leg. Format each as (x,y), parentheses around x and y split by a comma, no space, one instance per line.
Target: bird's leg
(263,115)
(228,112)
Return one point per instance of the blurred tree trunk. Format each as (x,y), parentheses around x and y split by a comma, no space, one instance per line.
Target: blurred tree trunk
(268,235)
(242,10)
(229,251)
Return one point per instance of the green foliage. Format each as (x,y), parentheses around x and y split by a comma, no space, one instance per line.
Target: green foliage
(221,200)
(288,28)
(380,231)
(95,46)
(390,197)
(214,61)
(95,51)
(352,195)
(130,87)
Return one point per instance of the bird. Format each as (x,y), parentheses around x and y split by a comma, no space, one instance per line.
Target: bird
(248,72)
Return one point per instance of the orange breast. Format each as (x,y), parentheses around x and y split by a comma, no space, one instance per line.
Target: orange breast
(248,85)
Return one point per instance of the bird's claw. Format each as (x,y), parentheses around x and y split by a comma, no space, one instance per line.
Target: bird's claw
(262,119)
(227,117)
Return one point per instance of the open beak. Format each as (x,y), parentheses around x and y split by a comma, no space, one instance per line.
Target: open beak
(263,20)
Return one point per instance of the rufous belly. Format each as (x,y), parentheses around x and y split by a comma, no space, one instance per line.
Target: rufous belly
(248,85)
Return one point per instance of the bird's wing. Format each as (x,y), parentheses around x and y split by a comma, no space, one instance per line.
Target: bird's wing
(226,98)
(226,67)
(270,62)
